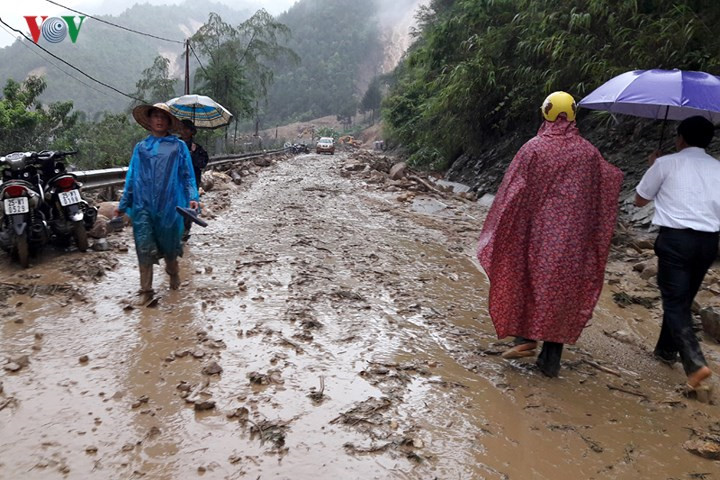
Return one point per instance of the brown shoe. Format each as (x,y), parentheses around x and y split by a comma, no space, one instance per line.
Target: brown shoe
(520,351)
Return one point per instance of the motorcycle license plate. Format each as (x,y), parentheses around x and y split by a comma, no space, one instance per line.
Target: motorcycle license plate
(69,198)
(14,206)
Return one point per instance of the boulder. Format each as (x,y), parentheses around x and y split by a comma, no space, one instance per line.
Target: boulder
(710,318)
(398,171)
(236,176)
(486,200)
(99,228)
(107,209)
(262,162)
(650,271)
(207,182)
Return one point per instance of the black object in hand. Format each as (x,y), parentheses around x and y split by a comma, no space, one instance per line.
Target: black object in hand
(191,214)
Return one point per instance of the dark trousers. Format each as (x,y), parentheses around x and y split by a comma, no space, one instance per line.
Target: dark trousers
(198,176)
(684,257)
(549,359)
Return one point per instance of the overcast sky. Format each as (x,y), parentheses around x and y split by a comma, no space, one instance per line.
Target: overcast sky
(13,11)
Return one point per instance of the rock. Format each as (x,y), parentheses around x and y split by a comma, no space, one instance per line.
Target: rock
(646,244)
(220,181)
(140,401)
(203,405)
(643,216)
(703,448)
(84,359)
(184,386)
(710,318)
(354,167)
(262,162)
(107,209)
(212,368)
(207,182)
(236,176)
(12,367)
(640,266)
(486,200)
(376,177)
(695,308)
(398,171)
(100,228)
(650,271)
(17,364)
(101,245)
(91,449)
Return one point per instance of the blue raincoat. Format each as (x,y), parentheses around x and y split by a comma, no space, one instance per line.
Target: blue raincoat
(160,177)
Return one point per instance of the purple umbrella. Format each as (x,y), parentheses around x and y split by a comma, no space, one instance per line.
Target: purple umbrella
(659,94)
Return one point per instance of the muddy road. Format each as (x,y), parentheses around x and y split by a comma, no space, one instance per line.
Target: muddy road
(326,330)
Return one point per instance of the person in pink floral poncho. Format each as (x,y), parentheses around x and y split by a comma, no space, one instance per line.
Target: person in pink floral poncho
(546,238)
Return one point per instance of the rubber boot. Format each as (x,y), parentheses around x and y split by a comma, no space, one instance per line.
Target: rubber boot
(172,267)
(146,280)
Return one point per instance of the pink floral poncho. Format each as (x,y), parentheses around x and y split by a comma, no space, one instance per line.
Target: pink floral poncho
(545,241)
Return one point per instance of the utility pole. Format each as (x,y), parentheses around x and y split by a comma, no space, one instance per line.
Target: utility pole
(187,66)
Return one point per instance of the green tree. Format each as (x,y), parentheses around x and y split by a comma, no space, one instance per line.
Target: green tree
(479,69)
(155,84)
(21,115)
(372,98)
(237,73)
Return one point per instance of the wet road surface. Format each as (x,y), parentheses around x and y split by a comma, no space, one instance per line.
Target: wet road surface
(352,335)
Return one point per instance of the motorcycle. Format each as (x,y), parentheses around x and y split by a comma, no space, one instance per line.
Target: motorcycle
(70,215)
(23,227)
(298,148)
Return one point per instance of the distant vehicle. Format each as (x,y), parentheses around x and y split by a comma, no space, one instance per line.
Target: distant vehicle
(350,140)
(325,145)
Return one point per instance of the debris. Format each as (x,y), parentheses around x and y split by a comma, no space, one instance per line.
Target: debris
(270,431)
(629,392)
(272,377)
(212,368)
(144,399)
(602,368)
(710,318)
(318,396)
(709,449)
(398,171)
(204,405)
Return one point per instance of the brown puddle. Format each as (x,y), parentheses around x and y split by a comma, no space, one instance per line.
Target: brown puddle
(354,342)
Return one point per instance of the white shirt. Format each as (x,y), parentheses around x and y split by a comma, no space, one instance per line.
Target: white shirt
(686,190)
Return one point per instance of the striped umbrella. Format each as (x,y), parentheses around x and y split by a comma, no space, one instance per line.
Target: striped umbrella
(203,111)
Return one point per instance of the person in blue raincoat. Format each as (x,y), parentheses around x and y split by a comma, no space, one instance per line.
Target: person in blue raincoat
(159,178)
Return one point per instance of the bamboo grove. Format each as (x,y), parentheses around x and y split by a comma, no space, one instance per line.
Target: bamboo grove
(480,68)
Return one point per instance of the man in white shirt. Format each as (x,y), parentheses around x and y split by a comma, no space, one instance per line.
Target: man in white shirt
(686,189)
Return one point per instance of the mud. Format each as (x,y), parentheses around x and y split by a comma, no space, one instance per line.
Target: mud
(330,324)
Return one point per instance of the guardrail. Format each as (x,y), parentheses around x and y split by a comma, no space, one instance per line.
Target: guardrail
(111,177)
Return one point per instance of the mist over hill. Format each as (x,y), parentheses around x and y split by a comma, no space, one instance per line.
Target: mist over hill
(111,55)
(342,44)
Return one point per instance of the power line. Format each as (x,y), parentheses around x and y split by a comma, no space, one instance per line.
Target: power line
(55,65)
(198,59)
(73,66)
(115,25)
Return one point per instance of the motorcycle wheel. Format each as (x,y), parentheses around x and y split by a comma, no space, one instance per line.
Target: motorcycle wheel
(23,250)
(80,235)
